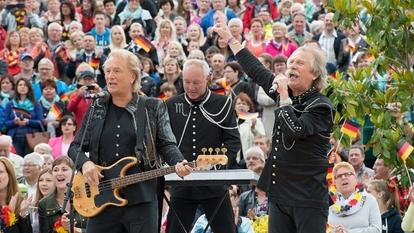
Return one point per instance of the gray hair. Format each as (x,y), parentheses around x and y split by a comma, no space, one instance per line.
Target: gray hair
(7,139)
(46,61)
(280,25)
(318,65)
(55,25)
(201,64)
(255,150)
(235,21)
(34,158)
(196,54)
(132,62)
(315,25)
(43,148)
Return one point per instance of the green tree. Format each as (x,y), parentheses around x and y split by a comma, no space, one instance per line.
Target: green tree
(389,30)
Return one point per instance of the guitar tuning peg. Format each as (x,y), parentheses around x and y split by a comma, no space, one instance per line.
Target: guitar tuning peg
(210,150)
(217,150)
(224,150)
(204,150)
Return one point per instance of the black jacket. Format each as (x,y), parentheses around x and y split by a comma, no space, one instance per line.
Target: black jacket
(391,222)
(158,143)
(295,171)
(22,225)
(50,211)
(194,131)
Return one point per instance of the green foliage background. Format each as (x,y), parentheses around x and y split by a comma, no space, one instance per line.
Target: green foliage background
(389,30)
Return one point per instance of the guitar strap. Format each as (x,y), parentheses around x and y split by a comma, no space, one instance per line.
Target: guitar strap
(141,117)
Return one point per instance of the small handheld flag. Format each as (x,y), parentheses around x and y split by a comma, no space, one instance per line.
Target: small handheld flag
(248,115)
(143,43)
(350,128)
(404,149)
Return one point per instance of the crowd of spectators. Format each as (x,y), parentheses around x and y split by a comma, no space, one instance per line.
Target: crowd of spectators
(51,60)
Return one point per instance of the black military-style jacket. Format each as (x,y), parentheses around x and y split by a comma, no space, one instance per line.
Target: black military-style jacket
(208,123)
(295,171)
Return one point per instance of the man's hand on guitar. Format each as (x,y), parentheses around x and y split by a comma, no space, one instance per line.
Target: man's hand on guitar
(91,173)
(181,169)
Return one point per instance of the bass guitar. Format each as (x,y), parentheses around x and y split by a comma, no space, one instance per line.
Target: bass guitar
(90,200)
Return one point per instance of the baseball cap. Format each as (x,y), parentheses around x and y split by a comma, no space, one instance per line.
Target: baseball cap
(86,74)
(25,55)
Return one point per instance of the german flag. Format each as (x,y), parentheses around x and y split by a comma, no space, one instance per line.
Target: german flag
(95,61)
(22,113)
(350,128)
(219,86)
(329,176)
(143,43)
(163,96)
(66,96)
(55,112)
(404,149)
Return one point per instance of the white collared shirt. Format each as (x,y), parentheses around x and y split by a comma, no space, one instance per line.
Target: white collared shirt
(327,44)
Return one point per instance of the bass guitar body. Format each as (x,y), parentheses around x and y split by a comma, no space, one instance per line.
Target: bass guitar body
(90,200)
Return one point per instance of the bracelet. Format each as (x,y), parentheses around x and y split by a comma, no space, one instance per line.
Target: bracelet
(24,215)
(286,102)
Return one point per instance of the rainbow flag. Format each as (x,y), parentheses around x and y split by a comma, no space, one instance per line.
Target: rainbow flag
(54,113)
(248,115)
(21,113)
(143,43)
(350,128)
(404,149)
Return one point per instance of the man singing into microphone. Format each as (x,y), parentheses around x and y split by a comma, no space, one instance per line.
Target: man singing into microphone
(125,124)
(294,176)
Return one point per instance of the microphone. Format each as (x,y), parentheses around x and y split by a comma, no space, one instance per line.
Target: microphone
(99,95)
(273,89)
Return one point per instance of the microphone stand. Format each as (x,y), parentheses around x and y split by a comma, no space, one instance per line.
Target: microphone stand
(69,193)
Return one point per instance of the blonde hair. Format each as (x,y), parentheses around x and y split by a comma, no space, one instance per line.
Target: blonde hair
(123,43)
(345,165)
(182,55)
(132,62)
(173,36)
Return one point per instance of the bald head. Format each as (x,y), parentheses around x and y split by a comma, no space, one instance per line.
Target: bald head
(5,145)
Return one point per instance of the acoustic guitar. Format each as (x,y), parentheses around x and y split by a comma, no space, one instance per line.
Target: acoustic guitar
(90,200)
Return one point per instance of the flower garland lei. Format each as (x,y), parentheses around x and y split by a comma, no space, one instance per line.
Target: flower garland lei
(58,226)
(342,206)
(8,217)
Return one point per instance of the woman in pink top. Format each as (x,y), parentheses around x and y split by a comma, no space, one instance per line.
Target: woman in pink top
(280,44)
(60,145)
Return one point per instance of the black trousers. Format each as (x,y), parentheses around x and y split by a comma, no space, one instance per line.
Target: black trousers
(141,218)
(223,222)
(288,219)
